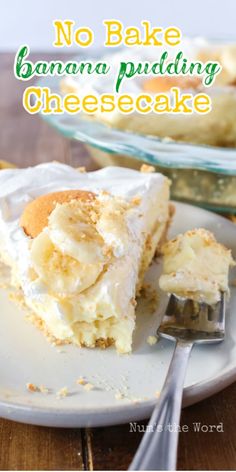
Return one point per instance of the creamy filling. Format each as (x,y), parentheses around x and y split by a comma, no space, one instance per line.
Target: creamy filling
(196,266)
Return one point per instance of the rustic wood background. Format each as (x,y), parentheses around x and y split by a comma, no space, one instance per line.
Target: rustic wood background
(27,140)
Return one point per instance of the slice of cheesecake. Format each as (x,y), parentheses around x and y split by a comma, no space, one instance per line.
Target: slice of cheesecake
(79,244)
(196,266)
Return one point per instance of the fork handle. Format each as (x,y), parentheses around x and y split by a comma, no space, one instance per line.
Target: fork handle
(158,448)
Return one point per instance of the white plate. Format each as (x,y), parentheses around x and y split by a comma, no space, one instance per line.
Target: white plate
(26,356)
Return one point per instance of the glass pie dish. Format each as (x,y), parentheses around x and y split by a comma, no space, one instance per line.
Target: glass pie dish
(200,174)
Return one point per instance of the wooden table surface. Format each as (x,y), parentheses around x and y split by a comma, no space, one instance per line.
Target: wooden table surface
(26,140)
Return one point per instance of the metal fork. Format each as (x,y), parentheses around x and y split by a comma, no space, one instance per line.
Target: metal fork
(186,322)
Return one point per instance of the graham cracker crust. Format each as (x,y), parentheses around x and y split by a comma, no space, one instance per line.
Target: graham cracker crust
(18,298)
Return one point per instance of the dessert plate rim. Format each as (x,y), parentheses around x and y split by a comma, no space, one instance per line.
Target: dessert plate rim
(61,414)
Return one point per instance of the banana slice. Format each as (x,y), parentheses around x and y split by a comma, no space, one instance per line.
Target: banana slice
(79,240)
(60,272)
(112,225)
(72,229)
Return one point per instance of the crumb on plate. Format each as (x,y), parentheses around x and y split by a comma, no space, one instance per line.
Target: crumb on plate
(151,340)
(32,387)
(119,396)
(81,381)
(44,389)
(88,387)
(136,400)
(133,302)
(62,393)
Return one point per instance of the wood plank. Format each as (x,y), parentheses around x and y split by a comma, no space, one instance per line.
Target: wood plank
(26,139)
(27,447)
(113,448)
(205,450)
